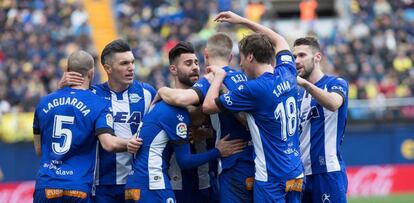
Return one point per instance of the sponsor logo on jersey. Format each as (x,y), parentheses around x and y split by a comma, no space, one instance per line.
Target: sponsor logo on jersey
(286,58)
(181,130)
(134,98)
(124,117)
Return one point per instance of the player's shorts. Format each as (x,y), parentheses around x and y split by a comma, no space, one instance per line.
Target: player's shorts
(278,192)
(200,196)
(326,187)
(236,183)
(135,195)
(60,195)
(109,193)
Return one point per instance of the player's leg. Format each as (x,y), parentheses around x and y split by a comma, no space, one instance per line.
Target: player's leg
(330,187)
(307,192)
(109,193)
(294,189)
(149,196)
(236,183)
(269,192)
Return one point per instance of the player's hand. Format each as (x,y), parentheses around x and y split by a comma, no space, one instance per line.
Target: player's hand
(209,77)
(216,70)
(134,144)
(230,147)
(70,79)
(301,81)
(230,17)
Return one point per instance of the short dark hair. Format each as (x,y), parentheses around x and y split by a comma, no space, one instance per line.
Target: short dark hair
(180,48)
(309,41)
(260,45)
(116,46)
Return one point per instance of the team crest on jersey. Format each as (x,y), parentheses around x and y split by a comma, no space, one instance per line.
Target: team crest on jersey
(134,98)
(109,120)
(181,130)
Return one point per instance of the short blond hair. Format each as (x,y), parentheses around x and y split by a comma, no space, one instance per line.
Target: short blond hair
(219,45)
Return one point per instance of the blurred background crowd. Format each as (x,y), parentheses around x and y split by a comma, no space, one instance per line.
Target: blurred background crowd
(375,53)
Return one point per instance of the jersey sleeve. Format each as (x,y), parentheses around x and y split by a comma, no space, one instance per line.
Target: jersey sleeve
(150,89)
(36,124)
(339,86)
(186,160)
(175,123)
(285,60)
(104,122)
(240,99)
(201,88)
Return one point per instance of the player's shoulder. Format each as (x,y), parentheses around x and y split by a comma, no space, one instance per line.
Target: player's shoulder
(141,86)
(163,110)
(100,89)
(332,79)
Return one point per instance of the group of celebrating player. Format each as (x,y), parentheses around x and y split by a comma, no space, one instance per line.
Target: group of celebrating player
(273,140)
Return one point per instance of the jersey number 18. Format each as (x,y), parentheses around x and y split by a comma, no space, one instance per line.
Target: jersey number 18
(287,114)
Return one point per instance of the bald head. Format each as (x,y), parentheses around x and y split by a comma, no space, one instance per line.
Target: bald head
(81,62)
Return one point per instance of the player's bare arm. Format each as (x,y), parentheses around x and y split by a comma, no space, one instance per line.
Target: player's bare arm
(230,17)
(70,79)
(329,100)
(114,144)
(37,144)
(178,97)
(209,105)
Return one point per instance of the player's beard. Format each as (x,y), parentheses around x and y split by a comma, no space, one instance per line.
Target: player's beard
(308,69)
(185,79)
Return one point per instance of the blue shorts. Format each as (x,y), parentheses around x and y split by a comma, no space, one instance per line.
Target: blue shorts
(59,195)
(200,196)
(278,192)
(136,195)
(236,183)
(109,193)
(326,187)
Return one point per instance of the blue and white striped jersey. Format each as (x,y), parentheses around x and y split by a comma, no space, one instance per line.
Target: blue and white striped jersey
(128,107)
(271,104)
(161,128)
(68,121)
(322,130)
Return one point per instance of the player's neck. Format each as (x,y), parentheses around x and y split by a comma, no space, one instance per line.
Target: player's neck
(218,62)
(263,68)
(316,75)
(116,86)
(180,85)
(85,85)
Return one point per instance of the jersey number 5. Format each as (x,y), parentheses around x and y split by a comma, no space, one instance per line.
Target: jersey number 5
(287,115)
(59,132)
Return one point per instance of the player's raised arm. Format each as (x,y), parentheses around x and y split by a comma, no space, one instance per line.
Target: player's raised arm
(178,97)
(209,104)
(230,17)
